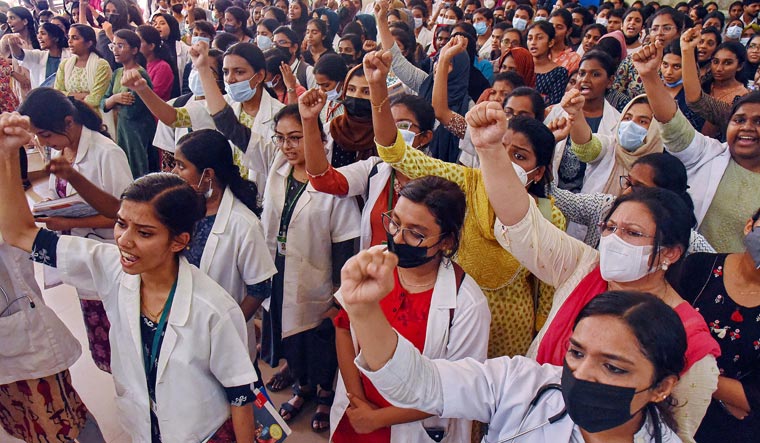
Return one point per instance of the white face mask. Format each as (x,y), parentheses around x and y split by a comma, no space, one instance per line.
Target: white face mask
(621,261)
(264,42)
(520,23)
(602,21)
(489,4)
(522,174)
(417,22)
(408,136)
(333,94)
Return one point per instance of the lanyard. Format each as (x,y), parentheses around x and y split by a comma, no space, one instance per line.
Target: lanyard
(287,213)
(150,361)
(392,189)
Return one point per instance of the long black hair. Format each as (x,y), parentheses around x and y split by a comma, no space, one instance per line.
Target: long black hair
(88,35)
(162,51)
(207,148)
(47,108)
(670,174)
(31,29)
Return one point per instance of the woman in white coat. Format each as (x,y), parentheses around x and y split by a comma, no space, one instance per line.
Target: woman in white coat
(180,361)
(42,63)
(722,176)
(75,134)
(614,385)
(433,304)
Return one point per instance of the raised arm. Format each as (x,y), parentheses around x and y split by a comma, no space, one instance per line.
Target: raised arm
(488,125)
(572,103)
(376,67)
(409,74)
(214,99)
(15,45)
(310,104)
(16,221)
(440,84)
(647,63)
(163,111)
(691,87)
(103,202)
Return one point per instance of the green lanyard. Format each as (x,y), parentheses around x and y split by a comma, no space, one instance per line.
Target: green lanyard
(391,190)
(287,213)
(150,361)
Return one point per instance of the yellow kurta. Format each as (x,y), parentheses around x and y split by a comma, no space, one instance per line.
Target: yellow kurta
(507,285)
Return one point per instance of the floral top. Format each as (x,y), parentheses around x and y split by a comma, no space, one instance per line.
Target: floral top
(568,59)
(8,99)
(627,79)
(736,328)
(551,85)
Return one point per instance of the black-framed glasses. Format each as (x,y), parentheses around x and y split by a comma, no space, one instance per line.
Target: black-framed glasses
(626,183)
(292,140)
(606,228)
(410,236)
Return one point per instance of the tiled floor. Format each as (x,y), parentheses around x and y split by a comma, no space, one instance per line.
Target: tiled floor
(96,387)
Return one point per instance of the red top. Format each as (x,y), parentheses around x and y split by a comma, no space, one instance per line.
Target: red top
(162,77)
(408,314)
(335,183)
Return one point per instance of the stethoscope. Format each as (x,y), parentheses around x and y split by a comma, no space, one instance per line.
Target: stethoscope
(553,419)
(9,302)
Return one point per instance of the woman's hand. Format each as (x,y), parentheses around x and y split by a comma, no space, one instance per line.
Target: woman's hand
(107,27)
(199,55)
(690,38)
(310,104)
(455,46)
(122,98)
(560,128)
(61,168)
(369,45)
(367,278)
(572,103)
(131,79)
(377,65)
(647,60)
(79,95)
(361,414)
(288,78)
(57,223)
(488,124)
(15,129)
(381,10)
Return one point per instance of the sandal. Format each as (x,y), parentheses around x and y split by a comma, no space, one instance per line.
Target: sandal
(321,418)
(280,381)
(289,411)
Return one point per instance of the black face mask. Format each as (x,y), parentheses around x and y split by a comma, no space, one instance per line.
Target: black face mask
(113,18)
(230,29)
(177,9)
(410,256)
(348,59)
(358,107)
(596,407)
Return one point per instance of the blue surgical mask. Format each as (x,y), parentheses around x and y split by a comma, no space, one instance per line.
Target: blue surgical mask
(480,28)
(198,38)
(271,84)
(242,91)
(194,83)
(602,21)
(673,85)
(734,32)
(408,136)
(744,41)
(520,24)
(264,42)
(333,94)
(631,136)
(539,19)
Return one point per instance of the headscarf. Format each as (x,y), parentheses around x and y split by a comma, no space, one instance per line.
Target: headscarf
(524,62)
(445,145)
(346,16)
(333,22)
(350,132)
(620,37)
(625,159)
(368,23)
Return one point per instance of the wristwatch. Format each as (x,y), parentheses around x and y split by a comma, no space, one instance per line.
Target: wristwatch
(291,90)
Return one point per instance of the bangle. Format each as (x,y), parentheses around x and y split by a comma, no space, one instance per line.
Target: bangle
(321,174)
(380,106)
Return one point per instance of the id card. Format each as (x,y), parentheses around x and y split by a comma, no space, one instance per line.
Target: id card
(281,244)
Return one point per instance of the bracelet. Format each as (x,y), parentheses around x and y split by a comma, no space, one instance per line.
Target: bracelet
(291,90)
(380,106)
(322,174)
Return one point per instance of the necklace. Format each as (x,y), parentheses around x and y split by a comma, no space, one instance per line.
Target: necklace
(409,285)
(153,317)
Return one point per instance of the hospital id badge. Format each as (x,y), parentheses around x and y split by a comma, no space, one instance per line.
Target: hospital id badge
(153,406)
(281,244)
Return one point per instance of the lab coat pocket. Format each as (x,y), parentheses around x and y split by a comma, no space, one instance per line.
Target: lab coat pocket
(314,282)
(19,340)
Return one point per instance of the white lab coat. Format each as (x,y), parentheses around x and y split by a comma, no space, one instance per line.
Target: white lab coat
(706,160)
(497,392)
(34,342)
(166,137)
(183,57)
(318,221)
(204,348)
(608,125)
(236,252)
(466,336)
(102,162)
(35,60)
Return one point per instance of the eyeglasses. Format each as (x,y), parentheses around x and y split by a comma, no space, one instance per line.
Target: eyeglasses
(113,46)
(292,140)
(626,183)
(753,46)
(511,113)
(283,43)
(664,28)
(410,236)
(606,228)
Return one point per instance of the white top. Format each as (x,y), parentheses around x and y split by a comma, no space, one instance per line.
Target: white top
(497,392)
(166,137)
(236,252)
(318,221)
(35,60)
(101,161)
(204,349)
(466,336)
(34,343)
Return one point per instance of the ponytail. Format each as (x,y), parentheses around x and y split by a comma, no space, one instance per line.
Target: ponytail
(245,190)
(48,108)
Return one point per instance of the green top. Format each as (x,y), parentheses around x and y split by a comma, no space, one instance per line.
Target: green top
(734,203)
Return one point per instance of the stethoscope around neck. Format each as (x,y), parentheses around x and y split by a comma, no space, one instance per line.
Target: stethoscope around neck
(551,420)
